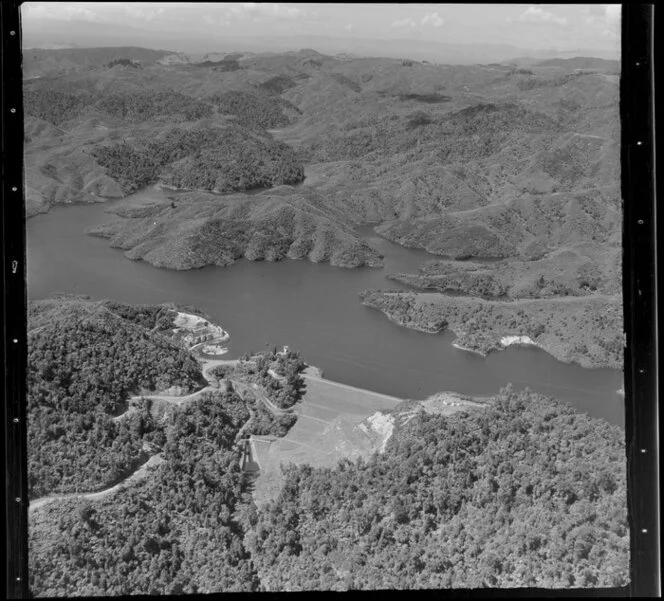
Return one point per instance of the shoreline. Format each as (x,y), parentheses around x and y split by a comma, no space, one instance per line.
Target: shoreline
(470,350)
(422,311)
(527,342)
(507,341)
(510,340)
(397,321)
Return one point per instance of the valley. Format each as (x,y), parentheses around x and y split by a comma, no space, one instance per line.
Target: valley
(409,228)
(467,162)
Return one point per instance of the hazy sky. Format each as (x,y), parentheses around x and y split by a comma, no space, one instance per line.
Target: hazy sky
(560,26)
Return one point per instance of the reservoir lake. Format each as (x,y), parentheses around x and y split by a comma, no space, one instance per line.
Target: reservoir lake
(312,308)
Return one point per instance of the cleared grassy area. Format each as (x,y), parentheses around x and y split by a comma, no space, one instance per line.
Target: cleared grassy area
(326,431)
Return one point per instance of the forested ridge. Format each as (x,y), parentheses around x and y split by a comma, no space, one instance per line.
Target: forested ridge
(227,157)
(257,110)
(277,374)
(524,493)
(584,330)
(260,109)
(471,133)
(219,230)
(525,279)
(222,159)
(85,360)
(56,106)
(174,532)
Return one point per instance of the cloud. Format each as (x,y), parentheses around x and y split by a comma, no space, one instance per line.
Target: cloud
(273,10)
(613,13)
(105,12)
(216,21)
(433,19)
(148,12)
(612,21)
(535,14)
(404,24)
(59,11)
(607,18)
(349,27)
(430,19)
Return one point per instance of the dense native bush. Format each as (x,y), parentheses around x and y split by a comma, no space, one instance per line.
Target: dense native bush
(284,390)
(434,98)
(146,316)
(131,168)
(142,106)
(277,84)
(418,119)
(585,331)
(124,62)
(56,107)
(174,532)
(254,110)
(524,493)
(224,65)
(221,159)
(84,361)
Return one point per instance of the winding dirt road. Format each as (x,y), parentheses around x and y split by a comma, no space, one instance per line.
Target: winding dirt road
(142,470)
(213,383)
(140,473)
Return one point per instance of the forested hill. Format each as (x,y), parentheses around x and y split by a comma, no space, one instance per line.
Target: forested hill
(222,159)
(524,492)
(481,161)
(87,146)
(197,230)
(85,359)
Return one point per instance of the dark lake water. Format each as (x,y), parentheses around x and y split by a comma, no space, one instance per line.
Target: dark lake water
(313,308)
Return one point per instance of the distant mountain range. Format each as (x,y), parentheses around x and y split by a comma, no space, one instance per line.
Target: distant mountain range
(39,61)
(80,34)
(581,62)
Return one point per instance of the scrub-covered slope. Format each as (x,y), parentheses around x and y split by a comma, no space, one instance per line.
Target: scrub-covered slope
(509,176)
(198,230)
